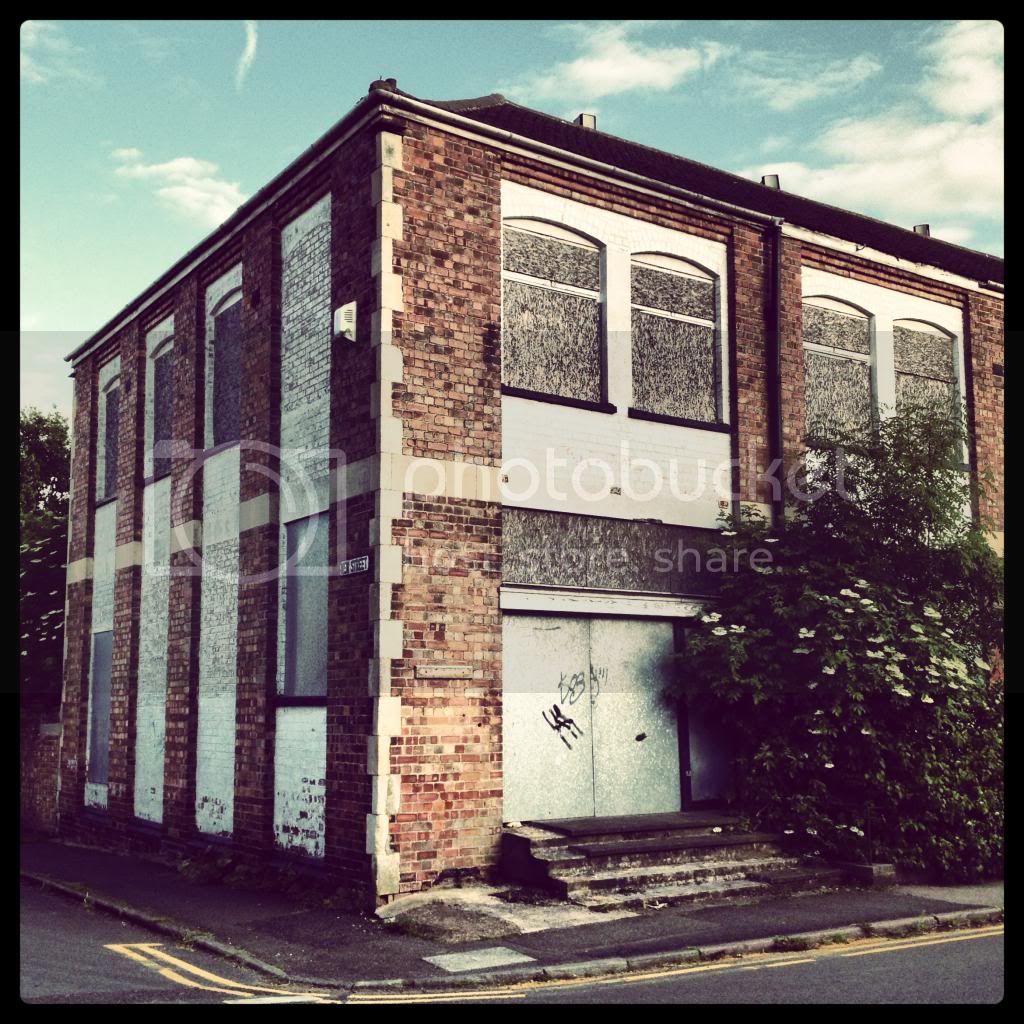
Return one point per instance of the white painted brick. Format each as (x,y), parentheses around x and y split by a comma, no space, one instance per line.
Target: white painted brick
(151,697)
(300,784)
(218,638)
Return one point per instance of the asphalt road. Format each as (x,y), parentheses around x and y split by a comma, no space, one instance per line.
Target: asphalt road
(948,967)
(70,954)
(66,957)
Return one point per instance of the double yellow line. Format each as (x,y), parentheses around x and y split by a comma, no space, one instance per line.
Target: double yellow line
(153,956)
(522,989)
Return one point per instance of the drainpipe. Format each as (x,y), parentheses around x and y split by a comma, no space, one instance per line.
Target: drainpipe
(774,360)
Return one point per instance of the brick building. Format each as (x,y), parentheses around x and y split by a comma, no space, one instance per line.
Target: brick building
(433,372)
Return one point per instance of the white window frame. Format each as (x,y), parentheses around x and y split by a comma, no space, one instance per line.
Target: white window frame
(685,268)
(886,307)
(547,229)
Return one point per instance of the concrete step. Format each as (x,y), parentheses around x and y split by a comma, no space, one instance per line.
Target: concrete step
(672,850)
(801,878)
(626,827)
(703,872)
(671,895)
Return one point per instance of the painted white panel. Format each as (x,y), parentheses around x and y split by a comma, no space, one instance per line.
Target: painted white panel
(305,379)
(610,450)
(548,765)
(568,460)
(300,769)
(151,700)
(886,305)
(218,636)
(104,535)
(636,735)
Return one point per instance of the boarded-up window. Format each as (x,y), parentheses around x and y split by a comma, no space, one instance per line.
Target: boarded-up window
(925,368)
(112,423)
(674,341)
(227,359)
(837,371)
(305,583)
(99,713)
(163,409)
(552,259)
(831,328)
(674,292)
(551,323)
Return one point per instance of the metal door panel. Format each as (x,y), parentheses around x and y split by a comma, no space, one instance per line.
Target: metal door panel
(636,736)
(547,735)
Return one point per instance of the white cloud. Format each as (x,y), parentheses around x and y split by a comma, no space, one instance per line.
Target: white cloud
(965,78)
(938,161)
(188,185)
(248,54)
(47,55)
(612,62)
(958,234)
(787,82)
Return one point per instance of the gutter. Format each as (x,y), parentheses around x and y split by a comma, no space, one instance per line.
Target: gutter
(688,198)
(773,358)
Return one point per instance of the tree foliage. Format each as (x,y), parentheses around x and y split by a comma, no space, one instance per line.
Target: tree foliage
(45,468)
(859,668)
(44,485)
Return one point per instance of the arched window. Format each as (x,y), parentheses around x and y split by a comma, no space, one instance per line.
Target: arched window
(551,314)
(925,362)
(837,368)
(107,429)
(675,350)
(224,368)
(159,398)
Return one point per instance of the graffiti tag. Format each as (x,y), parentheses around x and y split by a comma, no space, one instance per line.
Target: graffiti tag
(561,725)
(571,688)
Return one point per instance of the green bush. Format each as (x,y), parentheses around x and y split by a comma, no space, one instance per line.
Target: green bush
(858,666)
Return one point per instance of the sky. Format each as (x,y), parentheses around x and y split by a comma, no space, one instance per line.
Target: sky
(139,138)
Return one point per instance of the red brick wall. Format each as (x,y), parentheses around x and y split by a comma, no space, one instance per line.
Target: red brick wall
(75,701)
(353,433)
(128,580)
(40,757)
(449,752)
(258,547)
(985,401)
(184,591)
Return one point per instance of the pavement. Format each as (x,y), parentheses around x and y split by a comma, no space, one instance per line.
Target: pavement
(474,935)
